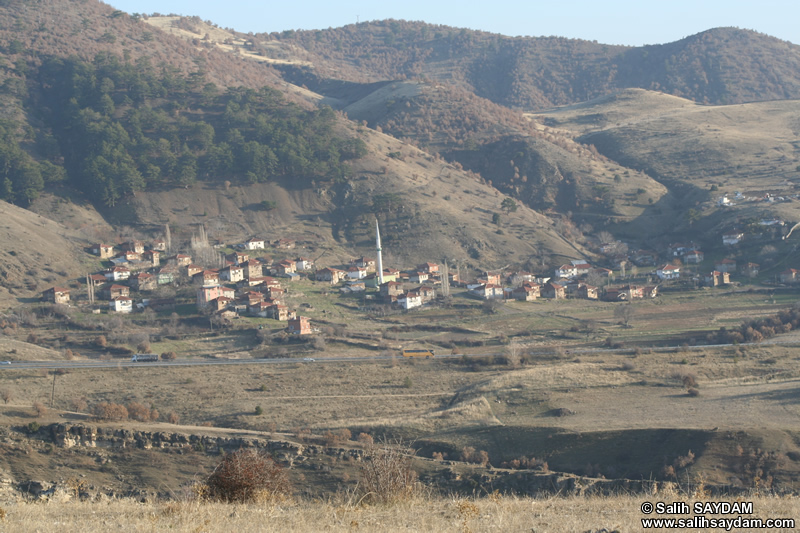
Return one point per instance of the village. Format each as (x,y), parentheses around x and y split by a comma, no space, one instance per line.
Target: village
(247,281)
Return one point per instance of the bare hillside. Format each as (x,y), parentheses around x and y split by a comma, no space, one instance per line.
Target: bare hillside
(62,28)
(541,165)
(714,150)
(441,212)
(37,253)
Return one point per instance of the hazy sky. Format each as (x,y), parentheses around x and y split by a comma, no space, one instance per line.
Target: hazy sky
(607,21)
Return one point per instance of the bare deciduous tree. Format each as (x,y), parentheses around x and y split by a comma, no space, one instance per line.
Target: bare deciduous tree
(624,313)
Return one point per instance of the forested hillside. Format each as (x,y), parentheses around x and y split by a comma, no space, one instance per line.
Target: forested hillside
(125,127)
(96,96)
(723,65)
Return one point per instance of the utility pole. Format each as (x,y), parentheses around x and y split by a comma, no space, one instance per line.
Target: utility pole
(53,392)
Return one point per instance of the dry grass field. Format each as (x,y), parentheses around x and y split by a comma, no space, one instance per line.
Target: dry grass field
(507,514)
(610,413)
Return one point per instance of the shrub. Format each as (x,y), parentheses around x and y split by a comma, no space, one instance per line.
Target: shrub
(78,404)
(143,347)
(247,476)
(139,411)
(259,410)
(365,438)
(33,427)
(39,408)
(467,453)
(470,455)
(168,356)
(6,395)
(173,418)
(319,344)
(386,475)
(693,392)
(110,411)
(684,460)
(689,380)
(337,437)
(523,463)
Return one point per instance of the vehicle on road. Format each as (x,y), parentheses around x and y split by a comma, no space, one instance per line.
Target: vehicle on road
(144,357)
(424,352)
(5,362)
(308,359)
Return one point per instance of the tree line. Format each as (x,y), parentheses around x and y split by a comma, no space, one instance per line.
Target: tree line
(758,329)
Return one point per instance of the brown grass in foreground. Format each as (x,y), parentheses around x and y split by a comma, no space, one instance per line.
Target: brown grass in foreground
(494,513)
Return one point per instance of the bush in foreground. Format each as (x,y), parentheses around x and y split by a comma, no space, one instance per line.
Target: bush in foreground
(247,476)
(386,475)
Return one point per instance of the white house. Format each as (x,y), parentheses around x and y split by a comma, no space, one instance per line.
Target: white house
(117,273)
(488,291)
(355,272)
(410,300)
(254,244)
(732,237)
(418,277)
(232,273)
(121,304)
(581,267)
(566,271)
(669,272)
(304,263)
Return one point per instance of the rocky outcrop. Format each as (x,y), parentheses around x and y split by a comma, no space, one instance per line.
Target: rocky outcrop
(530,482)
(287,452)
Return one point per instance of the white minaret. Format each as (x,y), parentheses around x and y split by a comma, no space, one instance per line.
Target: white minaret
(378,244)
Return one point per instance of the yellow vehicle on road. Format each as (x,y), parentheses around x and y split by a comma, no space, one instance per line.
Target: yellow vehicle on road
(420,352)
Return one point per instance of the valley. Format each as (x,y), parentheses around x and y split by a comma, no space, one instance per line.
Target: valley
(596,241)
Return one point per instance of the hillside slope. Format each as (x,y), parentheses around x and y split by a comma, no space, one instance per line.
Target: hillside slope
(721,65)
(706,151)
(37,253)
(84,29)
(434,211)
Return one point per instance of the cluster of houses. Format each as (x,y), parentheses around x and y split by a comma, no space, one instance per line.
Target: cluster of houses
(252,285)
(242,285)
(362,274)
(134,266)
